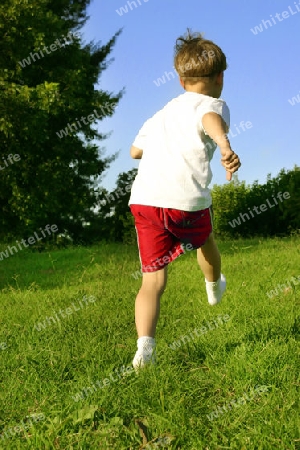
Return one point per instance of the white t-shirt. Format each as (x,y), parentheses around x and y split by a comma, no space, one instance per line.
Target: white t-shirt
(174,171)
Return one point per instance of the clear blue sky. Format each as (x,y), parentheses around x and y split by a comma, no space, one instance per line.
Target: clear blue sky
(263,74)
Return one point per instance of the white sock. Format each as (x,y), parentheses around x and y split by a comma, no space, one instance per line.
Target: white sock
(146,343)
(145,352)
(215,290)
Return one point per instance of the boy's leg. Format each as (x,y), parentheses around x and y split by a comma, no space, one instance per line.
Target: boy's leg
(147,302)
(209,260)
(147,307)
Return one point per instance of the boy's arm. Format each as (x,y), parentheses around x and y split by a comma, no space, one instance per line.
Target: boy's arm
(136,153)
(216,128)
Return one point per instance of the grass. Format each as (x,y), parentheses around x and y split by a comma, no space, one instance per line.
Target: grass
(234,385)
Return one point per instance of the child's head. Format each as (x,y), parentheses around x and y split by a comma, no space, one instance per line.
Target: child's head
(199,62)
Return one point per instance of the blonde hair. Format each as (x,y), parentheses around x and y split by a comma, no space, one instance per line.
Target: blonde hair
(196,57)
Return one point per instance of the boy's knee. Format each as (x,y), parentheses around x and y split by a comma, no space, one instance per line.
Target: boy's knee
(155,280)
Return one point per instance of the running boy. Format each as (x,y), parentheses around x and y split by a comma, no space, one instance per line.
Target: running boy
(170,199)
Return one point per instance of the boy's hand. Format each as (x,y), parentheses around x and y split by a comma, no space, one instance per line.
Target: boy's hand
(231,162)
(136,153)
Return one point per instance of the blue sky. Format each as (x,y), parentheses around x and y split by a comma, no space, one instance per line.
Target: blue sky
(263,74)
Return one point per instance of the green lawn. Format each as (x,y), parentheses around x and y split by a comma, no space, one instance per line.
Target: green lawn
(227,376)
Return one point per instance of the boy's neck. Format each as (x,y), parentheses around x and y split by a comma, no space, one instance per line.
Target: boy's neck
(204,90)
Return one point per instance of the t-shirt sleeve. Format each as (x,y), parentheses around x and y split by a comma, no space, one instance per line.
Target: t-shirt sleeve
(141,138)
(217,106)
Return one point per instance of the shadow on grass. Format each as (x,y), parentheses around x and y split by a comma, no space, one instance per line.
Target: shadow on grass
(28,270)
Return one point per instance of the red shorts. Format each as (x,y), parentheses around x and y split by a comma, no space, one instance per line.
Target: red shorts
(162,233)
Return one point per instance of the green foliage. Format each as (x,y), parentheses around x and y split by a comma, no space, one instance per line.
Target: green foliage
(113,221)
(129,232)
(229,201)
(123,221)
(236,200)
(57,178)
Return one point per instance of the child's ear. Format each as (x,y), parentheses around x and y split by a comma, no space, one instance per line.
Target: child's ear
(182,82)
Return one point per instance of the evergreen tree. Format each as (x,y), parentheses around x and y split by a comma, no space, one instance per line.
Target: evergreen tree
(114,221)
(48,111)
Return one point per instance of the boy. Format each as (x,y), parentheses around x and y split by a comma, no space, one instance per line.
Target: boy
(170,199)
